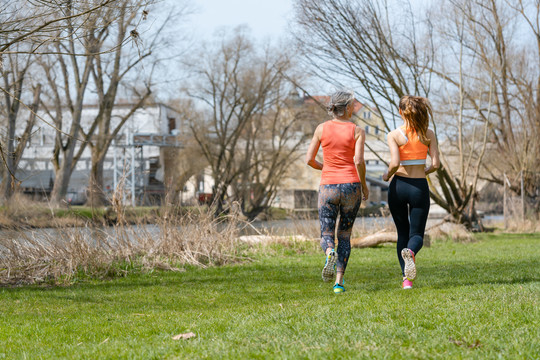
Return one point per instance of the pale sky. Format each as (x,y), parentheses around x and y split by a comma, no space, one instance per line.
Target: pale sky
(266,18)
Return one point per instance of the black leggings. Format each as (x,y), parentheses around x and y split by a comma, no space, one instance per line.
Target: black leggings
(408,200)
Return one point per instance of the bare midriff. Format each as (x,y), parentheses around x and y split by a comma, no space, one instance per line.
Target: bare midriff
(411,171)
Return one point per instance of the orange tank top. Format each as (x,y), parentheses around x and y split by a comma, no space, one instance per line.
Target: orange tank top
(338,144)
(413,152)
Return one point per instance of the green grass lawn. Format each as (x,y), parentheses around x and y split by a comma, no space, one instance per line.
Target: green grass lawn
(477,300)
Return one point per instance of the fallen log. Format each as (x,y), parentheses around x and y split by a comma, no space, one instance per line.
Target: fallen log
(382,238)
(374,239)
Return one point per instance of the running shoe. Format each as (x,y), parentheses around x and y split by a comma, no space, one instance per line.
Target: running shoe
(329,269)
(410,267)
(407,284)
(338,289)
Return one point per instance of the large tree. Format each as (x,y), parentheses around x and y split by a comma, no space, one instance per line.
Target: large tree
(127,71)
(86,58)
(82,48)
(363,43)
(68,77)
(270,144)
(15,83)
(502,41)
(28,28)
(245,129)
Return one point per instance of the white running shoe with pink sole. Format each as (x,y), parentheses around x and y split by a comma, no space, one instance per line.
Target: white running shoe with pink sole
(410,266)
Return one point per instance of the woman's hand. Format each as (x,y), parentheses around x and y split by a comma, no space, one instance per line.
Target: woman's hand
(365,192)
(385,176)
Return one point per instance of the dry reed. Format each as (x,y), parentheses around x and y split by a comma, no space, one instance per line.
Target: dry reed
(60,256)
(530,224)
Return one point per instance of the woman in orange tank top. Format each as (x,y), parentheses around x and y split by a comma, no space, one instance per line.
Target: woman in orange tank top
(408,193)
(343,182)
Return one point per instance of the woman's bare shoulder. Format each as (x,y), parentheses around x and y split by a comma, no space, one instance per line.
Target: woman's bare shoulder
(358,129)
(392,134)
(319,130)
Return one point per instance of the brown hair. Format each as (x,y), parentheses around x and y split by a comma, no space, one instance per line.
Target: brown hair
(416,110)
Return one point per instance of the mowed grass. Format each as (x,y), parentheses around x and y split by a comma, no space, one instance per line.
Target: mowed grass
(476,300)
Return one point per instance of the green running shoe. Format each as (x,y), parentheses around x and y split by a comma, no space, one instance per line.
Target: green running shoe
(338,289)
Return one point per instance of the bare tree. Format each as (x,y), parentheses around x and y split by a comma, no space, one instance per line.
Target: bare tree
(74,36)
(39,23)
(110,73)
(69,77)
(239,91)
(501,42)
(270,144)
(466,125)
(510,48)
(15,76)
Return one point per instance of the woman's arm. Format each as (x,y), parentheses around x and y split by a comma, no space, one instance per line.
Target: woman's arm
(393,166)
(314,148)
(359,162)
(433,153)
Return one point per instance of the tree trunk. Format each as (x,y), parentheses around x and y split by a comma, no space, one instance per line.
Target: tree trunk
(8,184)
(12,112)
(61,182)
(96,195)
(14,154)
(218,198)
(253,213)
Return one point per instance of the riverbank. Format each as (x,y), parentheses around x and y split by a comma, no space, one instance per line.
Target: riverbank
(275,220)
(41,216)
(34,215)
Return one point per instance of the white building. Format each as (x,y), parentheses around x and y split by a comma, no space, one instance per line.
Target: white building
(133,156)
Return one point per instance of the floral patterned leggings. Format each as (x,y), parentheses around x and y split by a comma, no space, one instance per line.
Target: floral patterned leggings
(343,200)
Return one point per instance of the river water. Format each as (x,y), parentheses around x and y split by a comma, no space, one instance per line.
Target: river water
(362,225)
(310,228)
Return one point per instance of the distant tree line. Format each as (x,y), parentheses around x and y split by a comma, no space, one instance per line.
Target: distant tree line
(57,55)
(477,61)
